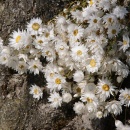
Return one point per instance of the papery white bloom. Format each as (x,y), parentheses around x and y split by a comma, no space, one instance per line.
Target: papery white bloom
(104,89)
(88,11)
(93,64)
(79,52)
(17,39)
(99,114)
(67,97)
(49,53)
(35,66)
(75,32)
(124,97)
(113,31)
(78,76)
(5,50)
(36,91)
(4,59)
(21,67)
(55,99)
(39,42)
(118,124)
(109,20)
(77,15)
(119,79)
(91,108)
(56,83)
(120,11)
(105,4)
(48,33)
(94,21)
(35,26)
(114,107)
(90,98)
(125,44)
(79,107)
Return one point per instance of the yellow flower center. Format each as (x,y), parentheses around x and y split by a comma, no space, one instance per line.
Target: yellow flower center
(105,87)
(91,2)
(127,96)
(124,42)
(18,39)
(110,20)
(113,31)
(55,99)
(35,26)
(79,53)
(48,53)
(35,67)
(89,100)
(78,90)
(35,91)
(21,66)
(40,41)
(92,63)
(58,81)
(51,74)
(47,35)
(75,32)
(95,20)
(92,40)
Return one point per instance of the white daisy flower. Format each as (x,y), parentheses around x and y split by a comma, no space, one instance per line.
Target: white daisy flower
(75,32)
(125,44)
(120,12)
(78,76)
(48,33)
(79,107)
(94,21)
(36,91)
(61,48)
(124,97)
(104,4)
(39,42)
(91,108)
(109,19)
(104,89)
(93,64)
(77,15)
(90,98)
(49,53)
(114,107)
(56,83)
(88,11)
(35,66)
(55,99)
(99,114)
(67,97)
(21,67)
(17,39)
(79,53)
(4,59)
(113,31)
(35,26)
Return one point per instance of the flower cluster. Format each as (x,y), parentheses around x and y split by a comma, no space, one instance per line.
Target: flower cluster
(87,54)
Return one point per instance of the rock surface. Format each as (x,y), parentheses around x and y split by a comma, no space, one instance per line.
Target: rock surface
(18,110)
